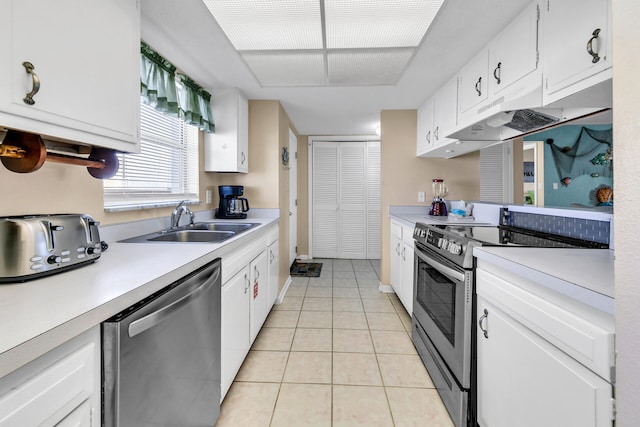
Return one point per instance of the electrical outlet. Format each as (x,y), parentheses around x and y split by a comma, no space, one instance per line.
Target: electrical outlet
(208,197)
(555,185)
(421,196)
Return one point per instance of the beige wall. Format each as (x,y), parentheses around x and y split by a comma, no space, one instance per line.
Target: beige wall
(404,174)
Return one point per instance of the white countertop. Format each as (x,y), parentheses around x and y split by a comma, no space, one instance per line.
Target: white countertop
(582,274)
(39,315)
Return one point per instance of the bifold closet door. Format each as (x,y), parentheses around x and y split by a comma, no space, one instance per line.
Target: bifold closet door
(346,200)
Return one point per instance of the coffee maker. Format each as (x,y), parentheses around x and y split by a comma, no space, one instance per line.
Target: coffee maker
(232,205)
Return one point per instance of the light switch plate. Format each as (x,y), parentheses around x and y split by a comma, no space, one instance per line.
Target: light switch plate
(208,197)
(421,196)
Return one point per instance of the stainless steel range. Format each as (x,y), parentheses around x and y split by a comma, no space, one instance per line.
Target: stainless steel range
(444,303)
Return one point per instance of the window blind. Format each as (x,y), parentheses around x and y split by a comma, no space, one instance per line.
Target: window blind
(165,171)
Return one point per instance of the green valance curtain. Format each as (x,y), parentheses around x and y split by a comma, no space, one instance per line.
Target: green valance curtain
(184,99)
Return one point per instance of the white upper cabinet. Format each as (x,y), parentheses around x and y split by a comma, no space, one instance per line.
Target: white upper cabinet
(425,127)
(445,112)
(79,61)
(497,74)
(577,46)
(227,150)
(436,119)
(513,54)
(472,85)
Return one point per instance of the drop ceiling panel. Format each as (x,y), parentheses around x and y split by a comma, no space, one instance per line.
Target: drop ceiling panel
(378,23)
(367,67)
(360,42)
(269,24)
(284,68)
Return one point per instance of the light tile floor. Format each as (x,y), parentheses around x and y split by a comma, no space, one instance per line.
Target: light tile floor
(336,352)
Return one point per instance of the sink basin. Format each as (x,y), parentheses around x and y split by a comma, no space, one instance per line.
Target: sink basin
(199,236)
(200,232)
(220,226)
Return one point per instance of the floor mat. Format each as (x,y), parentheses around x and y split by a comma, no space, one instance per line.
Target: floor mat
(306,269)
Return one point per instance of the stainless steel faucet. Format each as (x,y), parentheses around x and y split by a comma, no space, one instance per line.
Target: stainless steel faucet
(177,213)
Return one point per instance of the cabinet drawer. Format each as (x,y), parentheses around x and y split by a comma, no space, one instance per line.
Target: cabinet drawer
(47,397)
(396,230)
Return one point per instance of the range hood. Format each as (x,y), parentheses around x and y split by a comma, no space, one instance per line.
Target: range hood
(524,113)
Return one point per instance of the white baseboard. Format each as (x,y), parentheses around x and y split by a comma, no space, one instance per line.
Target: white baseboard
(283,292)
(387,289)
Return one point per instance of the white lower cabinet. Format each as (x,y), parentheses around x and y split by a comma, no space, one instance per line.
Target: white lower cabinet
(246,301)
(402,263)
(274,261)
(528,352)
(259,293)
(235,335)
(60,388)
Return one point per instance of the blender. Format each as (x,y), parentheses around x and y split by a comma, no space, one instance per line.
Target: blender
(440,190)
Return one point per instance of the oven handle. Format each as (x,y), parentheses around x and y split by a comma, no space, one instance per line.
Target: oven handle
(442,268)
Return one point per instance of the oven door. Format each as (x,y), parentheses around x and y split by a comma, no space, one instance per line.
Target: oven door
(442,305)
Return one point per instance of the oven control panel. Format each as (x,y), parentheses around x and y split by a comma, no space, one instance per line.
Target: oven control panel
(438,240)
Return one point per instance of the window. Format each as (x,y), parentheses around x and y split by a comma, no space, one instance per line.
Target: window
(165,171)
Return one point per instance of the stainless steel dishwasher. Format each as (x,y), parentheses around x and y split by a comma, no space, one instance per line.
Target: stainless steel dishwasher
(161,356)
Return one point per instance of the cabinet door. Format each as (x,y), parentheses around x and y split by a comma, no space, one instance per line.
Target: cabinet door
(272,253)
(425,127)
(445,112)
(569,31)
(514,52)
(61,387)
(88,68)
(396,266)
(407,277)
(472,85)
(259,273)
(235,338)
(523,380)
(227,150)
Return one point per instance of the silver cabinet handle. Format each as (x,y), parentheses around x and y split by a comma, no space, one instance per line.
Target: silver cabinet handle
(28,99)
(429,137)
(272,257)
(150,320)
(479,86)
(403,253)
(435,133)
(243,157)
(247,283)
(594,55)
(497,72)
(484,316)
(257,273)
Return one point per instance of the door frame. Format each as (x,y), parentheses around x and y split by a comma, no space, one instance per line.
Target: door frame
(293,196)
(311,141)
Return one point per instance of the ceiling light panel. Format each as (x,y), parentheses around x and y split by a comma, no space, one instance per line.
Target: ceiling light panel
(367,67)
(269,24)
(289,68)
(378,23)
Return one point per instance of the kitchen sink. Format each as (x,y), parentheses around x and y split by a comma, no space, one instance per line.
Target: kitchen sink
(217,226)
(200,232)
(196,236)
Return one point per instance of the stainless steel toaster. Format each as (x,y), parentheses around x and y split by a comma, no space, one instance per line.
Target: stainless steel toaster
(33,246)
